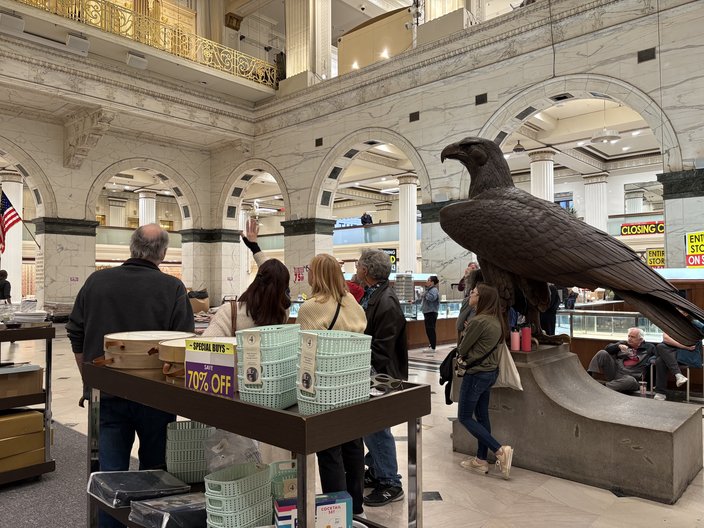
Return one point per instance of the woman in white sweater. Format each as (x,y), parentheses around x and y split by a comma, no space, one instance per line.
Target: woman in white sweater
(332,307)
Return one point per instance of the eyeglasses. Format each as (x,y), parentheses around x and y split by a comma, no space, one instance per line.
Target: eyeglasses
(385,383)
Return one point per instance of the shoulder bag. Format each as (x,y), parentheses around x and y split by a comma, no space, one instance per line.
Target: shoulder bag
(233,316)
(334,319)
(508,373)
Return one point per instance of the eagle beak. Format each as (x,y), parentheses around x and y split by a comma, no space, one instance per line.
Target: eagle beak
(449,152)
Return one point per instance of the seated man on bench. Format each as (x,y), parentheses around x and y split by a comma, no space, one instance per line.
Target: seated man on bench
(623,364)
(670,354)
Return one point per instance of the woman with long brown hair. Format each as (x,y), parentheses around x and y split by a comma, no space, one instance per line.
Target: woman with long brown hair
(479,357)
(333,307)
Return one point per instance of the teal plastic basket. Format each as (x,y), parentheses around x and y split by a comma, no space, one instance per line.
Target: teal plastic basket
(270,385)
(337,379)
(263,522)
(242,519)
(281,472)
(185,455)
(272,369)
(237,479)
(343,362)
(270,336)
(184,445)
(227,505)
(190,472)
(273,400)
(187,431)
(308,407)
(333,342)
(333,395)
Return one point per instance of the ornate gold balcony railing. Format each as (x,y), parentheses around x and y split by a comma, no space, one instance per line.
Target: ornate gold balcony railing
(173,39)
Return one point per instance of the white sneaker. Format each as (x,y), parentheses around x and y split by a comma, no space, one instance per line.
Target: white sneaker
(659,396)
(680,380)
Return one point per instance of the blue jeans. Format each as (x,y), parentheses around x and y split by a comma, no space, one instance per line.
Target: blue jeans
(119,421)
(474,401)
(381,458)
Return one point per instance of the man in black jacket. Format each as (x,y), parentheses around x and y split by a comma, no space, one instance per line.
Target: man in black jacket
(623,363)
(387,326)
(131,297)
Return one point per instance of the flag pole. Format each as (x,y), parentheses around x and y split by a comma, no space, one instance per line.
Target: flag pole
(30,234)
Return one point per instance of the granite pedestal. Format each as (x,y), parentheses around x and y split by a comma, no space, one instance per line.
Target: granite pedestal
(567,424)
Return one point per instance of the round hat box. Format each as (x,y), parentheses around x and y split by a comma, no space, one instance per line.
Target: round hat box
(172,353)
(137,350)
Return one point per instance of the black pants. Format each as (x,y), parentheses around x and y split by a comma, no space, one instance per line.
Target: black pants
(342,469)
(430,319)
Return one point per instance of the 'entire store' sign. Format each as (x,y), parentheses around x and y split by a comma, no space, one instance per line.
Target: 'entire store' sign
(656,257)
(694,243)
(643,228)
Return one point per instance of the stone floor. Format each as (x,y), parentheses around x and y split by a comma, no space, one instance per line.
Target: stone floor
(454,497)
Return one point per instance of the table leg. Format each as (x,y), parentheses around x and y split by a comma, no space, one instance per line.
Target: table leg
(93,442)
(415,484)
(305,465)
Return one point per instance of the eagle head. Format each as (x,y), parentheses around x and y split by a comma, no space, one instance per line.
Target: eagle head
(484,161)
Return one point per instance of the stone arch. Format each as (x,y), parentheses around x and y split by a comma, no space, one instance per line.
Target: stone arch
(336,161)
(512,114)
(183,192)
(236,185)
(37,181)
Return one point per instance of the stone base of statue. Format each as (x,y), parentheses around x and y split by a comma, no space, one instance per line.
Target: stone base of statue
(567,424)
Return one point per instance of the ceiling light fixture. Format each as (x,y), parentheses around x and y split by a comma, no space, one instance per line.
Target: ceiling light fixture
(605,135)
(519,148)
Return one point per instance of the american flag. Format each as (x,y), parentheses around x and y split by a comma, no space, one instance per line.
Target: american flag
(8,218)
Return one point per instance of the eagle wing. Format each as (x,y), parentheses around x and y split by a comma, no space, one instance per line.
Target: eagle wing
(538,240)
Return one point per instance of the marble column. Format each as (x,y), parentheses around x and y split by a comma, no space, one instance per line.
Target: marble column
(210,259)
(65,258)
(304,239)
(147,208)
(634,201)
(308,35)
(407,207)
(117,215)
(442,256)
(542,177)
(596,214)
(383,211)
(11,259)
(683,200)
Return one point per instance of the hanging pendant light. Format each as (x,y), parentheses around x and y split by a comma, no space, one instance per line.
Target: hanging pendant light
(519,148)
(605,135)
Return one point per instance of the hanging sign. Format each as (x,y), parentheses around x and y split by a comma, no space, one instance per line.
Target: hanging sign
(643,228)
(694,246)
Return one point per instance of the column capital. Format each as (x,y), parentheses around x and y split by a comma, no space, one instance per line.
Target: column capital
(209,236)
(682,184)
(600,177)
(147,194)
(10,176)
(383,206)
(65,226)
(117,202)
(430,213)
(408,179)
(308,226)
(541,155)
(634,194)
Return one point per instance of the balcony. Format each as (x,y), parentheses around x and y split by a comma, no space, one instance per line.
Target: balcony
(176,39)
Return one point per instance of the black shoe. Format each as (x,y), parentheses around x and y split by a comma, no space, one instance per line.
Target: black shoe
(383,495)
(370,481)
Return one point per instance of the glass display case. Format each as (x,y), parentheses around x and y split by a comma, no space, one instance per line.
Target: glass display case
(604,325)
(448,310)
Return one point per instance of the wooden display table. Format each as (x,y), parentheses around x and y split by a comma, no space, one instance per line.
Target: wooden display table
(302,435)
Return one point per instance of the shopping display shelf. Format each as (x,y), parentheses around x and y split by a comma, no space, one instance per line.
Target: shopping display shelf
(302,435)
(31,332)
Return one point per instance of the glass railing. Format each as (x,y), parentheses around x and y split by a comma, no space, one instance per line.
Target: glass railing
(118,236)
(117,20)
(373,234)
(592,324)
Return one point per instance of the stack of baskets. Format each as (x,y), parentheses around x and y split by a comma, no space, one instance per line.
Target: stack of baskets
(185,455)
(284,483)
(239,496)
(342,366)
(278,348)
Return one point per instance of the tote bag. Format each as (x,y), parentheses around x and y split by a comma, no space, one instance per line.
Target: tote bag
(508,373)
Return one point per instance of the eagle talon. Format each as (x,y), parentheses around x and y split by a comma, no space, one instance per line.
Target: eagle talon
(556,340)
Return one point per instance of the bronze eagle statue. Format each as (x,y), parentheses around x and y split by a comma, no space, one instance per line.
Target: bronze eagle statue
(523,242)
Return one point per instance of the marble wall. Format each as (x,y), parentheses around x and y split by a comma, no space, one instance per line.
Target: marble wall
(62,266)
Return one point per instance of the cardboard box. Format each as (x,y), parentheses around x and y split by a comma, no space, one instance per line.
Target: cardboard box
(16,422)
(21,444)
(18,380)
(22,460)
(332,510)
(199,305)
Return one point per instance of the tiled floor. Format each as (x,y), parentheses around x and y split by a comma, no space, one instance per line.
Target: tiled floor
(466,500)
